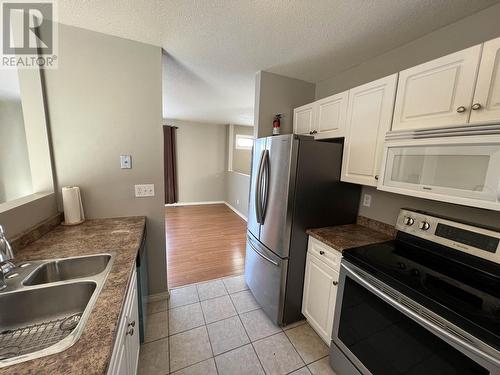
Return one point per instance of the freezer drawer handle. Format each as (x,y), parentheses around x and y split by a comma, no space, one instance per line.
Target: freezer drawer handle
(262,255)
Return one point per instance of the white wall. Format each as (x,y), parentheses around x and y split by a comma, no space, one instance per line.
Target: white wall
(104,100)
(464,33)
(201,161)
(278,94)
(15,174)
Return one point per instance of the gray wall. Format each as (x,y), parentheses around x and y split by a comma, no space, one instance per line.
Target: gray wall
(15,174)
(28,214)
(105,100)
(278,94)
(242,159)
(201,161)
(237,190)
(464,33)
(467,32)
(385,207)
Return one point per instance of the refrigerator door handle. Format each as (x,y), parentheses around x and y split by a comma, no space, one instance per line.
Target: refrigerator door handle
(262,255)
(258,190)
(266,166)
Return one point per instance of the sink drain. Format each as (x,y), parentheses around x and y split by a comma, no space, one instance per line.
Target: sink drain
(70,323)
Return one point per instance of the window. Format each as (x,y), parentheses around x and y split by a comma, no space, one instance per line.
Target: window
(244,142)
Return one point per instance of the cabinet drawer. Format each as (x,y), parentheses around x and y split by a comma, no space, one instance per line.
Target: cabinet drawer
(324,252)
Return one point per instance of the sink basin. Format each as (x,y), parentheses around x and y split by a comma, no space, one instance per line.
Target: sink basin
(45,305)
(32,306)
(34,320)
(68,269)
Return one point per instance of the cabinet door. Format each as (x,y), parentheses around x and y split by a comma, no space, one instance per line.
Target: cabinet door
(303,119)
(318,302)
(437,93)
(133,343)
(331,116)
(121,367)
(369,117)
(486,104)
(119,362)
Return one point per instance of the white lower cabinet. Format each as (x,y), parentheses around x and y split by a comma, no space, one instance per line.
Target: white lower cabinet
(320,290)
(126,351)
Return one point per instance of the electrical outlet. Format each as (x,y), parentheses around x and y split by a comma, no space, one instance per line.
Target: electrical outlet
(145,190)
(367,200)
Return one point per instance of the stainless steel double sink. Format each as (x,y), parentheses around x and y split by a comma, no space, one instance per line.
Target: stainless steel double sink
(44,308)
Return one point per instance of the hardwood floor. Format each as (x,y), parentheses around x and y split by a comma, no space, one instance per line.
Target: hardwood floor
(203,243)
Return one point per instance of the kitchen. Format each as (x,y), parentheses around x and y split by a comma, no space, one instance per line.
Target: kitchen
(376,220)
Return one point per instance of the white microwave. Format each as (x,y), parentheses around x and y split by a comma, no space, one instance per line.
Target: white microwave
(463,169)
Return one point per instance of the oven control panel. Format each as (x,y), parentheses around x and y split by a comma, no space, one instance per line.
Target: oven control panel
(474,240)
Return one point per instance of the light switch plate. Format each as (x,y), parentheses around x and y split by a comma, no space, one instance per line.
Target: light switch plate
(125,161)
(145,190)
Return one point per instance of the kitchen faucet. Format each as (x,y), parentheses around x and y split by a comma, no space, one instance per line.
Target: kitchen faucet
(6,255)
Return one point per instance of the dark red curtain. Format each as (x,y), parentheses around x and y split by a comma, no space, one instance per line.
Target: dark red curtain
(169,163)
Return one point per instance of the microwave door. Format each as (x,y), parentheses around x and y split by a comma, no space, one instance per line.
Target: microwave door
(450,170)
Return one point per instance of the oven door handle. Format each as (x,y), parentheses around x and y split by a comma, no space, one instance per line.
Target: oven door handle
(418,318)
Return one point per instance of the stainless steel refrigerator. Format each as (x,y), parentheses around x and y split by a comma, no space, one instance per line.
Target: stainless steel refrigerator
(295,185)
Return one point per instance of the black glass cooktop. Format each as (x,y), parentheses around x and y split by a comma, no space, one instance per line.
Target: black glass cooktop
(463,289)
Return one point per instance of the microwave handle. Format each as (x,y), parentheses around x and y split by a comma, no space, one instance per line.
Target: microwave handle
(419,318)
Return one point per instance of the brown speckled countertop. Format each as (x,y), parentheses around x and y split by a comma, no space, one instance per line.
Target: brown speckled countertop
(344,237)
(92,352)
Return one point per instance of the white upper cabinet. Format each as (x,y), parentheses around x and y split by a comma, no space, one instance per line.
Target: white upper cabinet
(369,116)
(303,119)
(486,103)
(438,93)
(331,113)
(324,118)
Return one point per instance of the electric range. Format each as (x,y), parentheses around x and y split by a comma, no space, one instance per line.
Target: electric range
(426,302)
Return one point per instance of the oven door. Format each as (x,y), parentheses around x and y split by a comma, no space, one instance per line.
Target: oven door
(376,333)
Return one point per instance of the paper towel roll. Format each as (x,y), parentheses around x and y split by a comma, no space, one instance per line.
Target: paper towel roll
(72,205)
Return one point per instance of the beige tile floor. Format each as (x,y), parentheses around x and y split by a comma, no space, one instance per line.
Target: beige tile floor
(217,327)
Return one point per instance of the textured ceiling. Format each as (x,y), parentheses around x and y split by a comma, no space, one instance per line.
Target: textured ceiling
(214,47)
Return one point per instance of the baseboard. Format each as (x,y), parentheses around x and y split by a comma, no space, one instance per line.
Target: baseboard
(236,211)
(193,203)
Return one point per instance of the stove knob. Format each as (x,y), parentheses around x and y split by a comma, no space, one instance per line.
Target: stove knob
(424,225)
(408,220)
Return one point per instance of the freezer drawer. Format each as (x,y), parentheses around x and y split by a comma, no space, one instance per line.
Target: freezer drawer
(265,276)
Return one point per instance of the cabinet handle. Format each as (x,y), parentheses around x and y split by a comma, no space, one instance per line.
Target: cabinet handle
(476,106)
(132,324)
(321,252)
(314,132)
(130,332)
(335,283)
(461,109)
(376,177)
